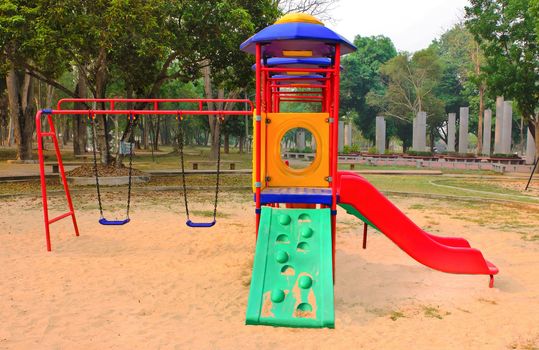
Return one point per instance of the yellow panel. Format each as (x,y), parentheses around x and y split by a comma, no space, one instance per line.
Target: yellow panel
(263,153)
(298,17)
(280,174)
(297,53)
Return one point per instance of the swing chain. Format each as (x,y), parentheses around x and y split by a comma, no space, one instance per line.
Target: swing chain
(219,125)
(91,117)
(131,146)
(180,148)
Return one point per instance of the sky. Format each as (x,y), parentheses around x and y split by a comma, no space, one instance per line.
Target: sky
(410,24)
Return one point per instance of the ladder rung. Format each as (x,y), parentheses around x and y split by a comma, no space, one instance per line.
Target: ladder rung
(47,134)
(60,217)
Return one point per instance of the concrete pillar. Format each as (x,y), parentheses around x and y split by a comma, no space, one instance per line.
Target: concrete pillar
(463,129)
(499,125)
(507,126)
(348,134)
(380,135)
(422,131)
(487,130)
(414,134)
(300,139)
(451,129)
(341,136)
(530,149)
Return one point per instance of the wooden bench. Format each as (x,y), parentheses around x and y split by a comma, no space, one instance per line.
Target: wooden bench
(196,163)
(56,169)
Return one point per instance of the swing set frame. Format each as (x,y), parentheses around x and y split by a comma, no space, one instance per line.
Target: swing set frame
(110,108)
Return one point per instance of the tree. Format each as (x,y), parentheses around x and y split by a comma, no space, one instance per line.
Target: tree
(318,8)
(362,76)
(462,78)
(411,81)
(507,33)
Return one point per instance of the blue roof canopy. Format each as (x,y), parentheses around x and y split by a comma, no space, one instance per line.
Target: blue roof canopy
(297,36)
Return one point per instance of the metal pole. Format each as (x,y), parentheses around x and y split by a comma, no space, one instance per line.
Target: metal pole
(533,172)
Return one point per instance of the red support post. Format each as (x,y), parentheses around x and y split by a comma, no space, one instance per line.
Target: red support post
(258,129)
(52,134)
(334,147)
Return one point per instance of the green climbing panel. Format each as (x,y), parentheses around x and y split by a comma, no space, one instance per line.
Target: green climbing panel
(292,282)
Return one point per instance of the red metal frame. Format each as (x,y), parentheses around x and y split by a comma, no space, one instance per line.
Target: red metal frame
(111,111)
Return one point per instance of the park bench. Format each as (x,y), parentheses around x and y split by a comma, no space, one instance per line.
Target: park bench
(196,163)
(55,168)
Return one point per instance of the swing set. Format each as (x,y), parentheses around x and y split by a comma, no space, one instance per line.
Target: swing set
(110,108)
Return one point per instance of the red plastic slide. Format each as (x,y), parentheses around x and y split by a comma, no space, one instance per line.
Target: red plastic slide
(447,254)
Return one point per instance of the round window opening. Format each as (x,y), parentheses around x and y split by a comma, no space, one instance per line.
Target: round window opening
(298,148)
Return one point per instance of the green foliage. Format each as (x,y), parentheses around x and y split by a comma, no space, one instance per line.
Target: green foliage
(419,153)
(507,34)
(372,150)
(351,149)
(503,155)
(362,75)
(410,87)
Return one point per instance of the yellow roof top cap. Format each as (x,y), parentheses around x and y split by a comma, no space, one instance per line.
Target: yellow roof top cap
(298,17)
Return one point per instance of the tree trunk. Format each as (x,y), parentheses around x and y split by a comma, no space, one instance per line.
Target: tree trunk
(226,142)
(79,121)
(241,143)
(156,135)
(20,100)
(536,126)
(102,127)
(213,120)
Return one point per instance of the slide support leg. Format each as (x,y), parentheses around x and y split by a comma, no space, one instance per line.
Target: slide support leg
(364,236)
(491,282)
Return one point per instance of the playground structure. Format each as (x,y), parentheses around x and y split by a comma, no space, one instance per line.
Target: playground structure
(297,60)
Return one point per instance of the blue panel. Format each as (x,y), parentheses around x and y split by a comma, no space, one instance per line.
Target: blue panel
(104,221)
(200,224)
(297,36)
(298,79)
(308,195)
(317,61)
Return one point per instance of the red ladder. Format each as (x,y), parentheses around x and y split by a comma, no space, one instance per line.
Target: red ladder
(52,134)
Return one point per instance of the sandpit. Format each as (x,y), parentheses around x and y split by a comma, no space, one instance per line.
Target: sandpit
(155,283)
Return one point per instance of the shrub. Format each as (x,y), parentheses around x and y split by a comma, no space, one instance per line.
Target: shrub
(419,153)
(350,149)
(503,155)
(372,150)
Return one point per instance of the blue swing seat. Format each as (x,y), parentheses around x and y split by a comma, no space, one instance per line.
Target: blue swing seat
(104,221)
(199,224)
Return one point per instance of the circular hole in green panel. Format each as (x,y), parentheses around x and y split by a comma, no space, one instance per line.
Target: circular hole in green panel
(283,238)
(304,218)
(303,247)
(305,307)
(288,270)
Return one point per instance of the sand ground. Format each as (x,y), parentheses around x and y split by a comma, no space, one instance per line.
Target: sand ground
(156,284)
